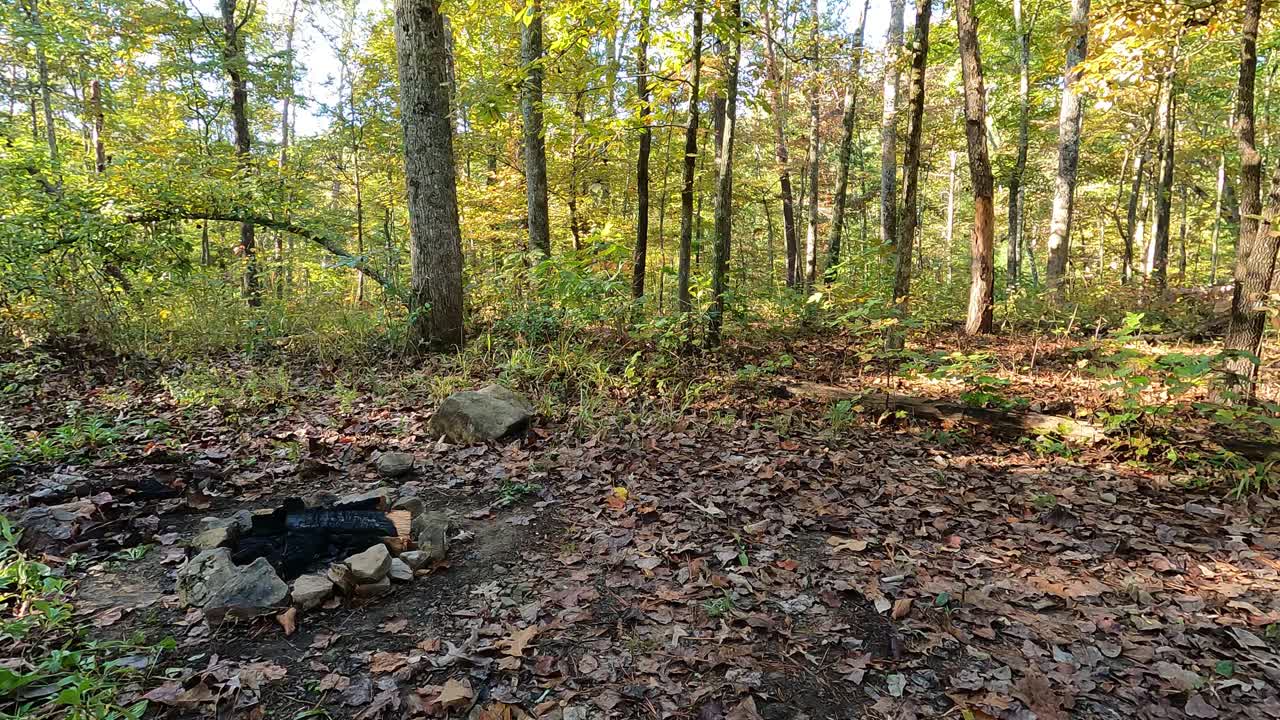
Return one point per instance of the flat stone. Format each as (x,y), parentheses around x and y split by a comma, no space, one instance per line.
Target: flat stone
(414,559)
(379,498)
(215,537)
(212,581)
(371,565)
(395,464)
(400,571)
(374,589)
(242,520)
(431,533)
(482,415)
(413,504)
(310,591)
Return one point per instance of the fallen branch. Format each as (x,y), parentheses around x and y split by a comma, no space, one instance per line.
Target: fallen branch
(1008,422)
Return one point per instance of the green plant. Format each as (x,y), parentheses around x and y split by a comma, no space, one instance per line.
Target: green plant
(718,607)
(510,493)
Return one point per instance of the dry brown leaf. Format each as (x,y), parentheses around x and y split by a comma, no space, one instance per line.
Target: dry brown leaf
(516,644)
(386,662)
(455,693)
(288,620)
(901,608)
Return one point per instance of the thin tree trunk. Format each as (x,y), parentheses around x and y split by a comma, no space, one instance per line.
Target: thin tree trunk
(1164,189)
(683,297)
(1133,226)
(640,256)
(1069,116)
(1013,260)
(236,66)
(1182,236)
(845,159)
(1217,218)
(815,119)
(779,114)
(535,142)
(285,106)
(435,240)
(982,260)
(98,127)
(731,48)
(911,173)
(889,129)
(46,96)
(949,232)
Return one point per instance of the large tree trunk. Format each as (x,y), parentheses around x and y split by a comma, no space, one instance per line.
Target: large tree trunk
(1256,249)
(889,130)
(233,58)
(773,76)
(982,246)
(843,161)
(1064,188)
(1013,259)
(815,119)
(1167,115)
(435,240)
(683,298)
(731,48)
(535,142)
(911,172)
(641,252)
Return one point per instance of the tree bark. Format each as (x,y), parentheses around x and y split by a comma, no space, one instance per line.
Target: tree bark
(641,251)
(845,159)
(683,297)
(98,127)
(1131,226)
(911,173)
(285,106)
(1217,218)
(535,145)
(236,64)
(46,96)
(1013,259)
(982,246)
(435,239)
(889,129)
(1159,254)
(815,119)
(1069,116)
(779,114)
(1250,159)
(731,48)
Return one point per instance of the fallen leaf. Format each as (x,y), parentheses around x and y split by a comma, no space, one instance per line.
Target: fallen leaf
(288,620)
(455,693)
(1197,707)
(386,662)
(901,608)
(516,644)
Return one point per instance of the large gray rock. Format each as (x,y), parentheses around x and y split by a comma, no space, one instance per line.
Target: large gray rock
(212,581)
(311,590)
(371,565)
(481,415)
(395,464)
(400,572)
(380,497)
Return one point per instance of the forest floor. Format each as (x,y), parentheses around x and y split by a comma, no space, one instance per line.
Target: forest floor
(746,555)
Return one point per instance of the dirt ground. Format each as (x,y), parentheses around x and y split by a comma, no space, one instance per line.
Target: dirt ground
(750,558)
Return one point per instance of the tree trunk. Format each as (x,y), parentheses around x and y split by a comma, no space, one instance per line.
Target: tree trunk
(1064,188)
(815,119)
(234,60)
(779,114)
(46,96)
(640,255)
(1131,229)
(1014,259)
(982,260)
(1217,218)
(1159,265)
(535,142)
(285,106)
(1255,251)
(949,232)
(99,125)
(889,130)
(731,48)
(683,297)
(435,240)
(911,173)
(845,159)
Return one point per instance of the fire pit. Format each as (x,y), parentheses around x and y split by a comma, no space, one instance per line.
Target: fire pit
(354,547)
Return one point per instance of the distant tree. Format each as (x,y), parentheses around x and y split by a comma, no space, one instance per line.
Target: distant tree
(641,253)
(845,158)
(982,246)
(1069,115)
(777,98)
(731,49)
(236,65)
(683,296)
(889,129)
(815,147)
(535,141)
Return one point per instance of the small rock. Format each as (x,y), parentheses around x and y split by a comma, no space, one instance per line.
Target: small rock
(311,590)
(212,581)
(414,559)
(242,520)
(413,504)
(395,464)
(400,571)
(431,532)
(377,498)
(342,578)
(215,537)
(374,589)
(371,565)
(483,415)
